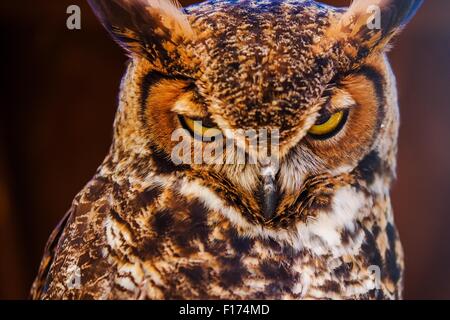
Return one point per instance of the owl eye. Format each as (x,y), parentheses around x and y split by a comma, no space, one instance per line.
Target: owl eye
(200,129)
(328,125)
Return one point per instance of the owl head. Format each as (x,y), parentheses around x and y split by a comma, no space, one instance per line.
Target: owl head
(276,104)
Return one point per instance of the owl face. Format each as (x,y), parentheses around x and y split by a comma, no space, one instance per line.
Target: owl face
(309,80)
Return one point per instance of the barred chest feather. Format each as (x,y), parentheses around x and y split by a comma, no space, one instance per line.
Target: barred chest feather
(177,240)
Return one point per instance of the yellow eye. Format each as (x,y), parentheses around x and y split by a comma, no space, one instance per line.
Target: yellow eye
(328,125)
(201,129)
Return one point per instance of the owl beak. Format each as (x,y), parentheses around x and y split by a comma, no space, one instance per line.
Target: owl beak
(268,193)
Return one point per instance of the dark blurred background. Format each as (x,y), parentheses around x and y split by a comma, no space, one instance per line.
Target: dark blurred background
(58,99)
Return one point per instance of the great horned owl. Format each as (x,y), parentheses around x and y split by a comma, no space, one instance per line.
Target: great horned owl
(316,223)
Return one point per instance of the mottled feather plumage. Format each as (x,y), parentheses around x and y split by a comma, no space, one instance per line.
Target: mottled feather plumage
(148,228)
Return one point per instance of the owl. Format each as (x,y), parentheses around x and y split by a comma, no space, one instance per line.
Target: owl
(253,150)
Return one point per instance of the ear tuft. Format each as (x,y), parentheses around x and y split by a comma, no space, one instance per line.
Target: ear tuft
(173,12)
(144,27)
(392,16)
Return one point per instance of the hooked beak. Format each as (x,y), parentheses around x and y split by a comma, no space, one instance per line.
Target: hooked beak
(268,192)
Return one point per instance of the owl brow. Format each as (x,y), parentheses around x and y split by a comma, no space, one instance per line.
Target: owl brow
(332,107)
(370,74)
(151,79)
(326,105)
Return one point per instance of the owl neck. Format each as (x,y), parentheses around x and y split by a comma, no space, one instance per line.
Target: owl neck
(339,228)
